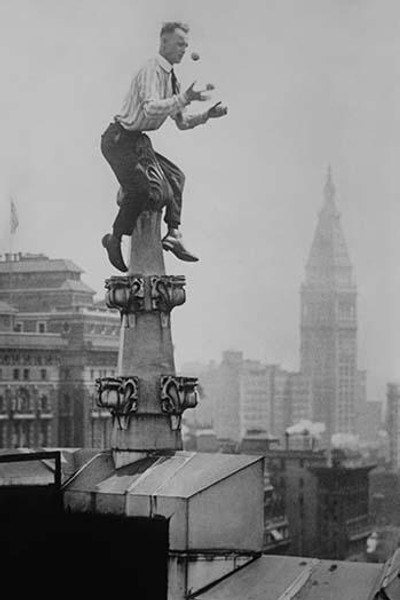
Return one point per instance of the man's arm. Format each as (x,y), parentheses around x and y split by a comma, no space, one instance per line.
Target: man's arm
(150,95)
(184,121)
(153,105)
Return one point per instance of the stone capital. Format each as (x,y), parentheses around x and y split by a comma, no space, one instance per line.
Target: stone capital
(177,394)
(133,294)
(120,396)
(125,293)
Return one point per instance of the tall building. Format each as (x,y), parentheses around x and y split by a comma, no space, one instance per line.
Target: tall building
(328,346)
(54,342)
(368,421)
(393,424)
(241,396)
(227,396)
(256,393)
(299,399)
(202,417)
(343,523)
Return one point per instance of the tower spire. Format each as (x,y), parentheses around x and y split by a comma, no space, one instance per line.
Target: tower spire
(329,322)
(329,190)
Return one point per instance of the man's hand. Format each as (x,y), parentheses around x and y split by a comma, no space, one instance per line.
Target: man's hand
(217,111)
(192,94)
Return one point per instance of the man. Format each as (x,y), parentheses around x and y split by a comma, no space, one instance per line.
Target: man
(143,174)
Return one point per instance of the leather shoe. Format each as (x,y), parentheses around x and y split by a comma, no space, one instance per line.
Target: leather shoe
(113,246)
(173,242)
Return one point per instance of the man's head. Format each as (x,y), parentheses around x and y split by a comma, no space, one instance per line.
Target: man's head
(174,41)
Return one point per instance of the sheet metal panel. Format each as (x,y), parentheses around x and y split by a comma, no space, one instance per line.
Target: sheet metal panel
(287,577)
(91,474)
(121,480)
(267,578)
(186,473)
(339,579)
(229,514)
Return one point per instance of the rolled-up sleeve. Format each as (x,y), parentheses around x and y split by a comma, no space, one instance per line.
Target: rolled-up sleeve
(186,121)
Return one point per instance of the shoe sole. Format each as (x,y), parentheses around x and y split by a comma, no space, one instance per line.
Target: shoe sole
(184,257)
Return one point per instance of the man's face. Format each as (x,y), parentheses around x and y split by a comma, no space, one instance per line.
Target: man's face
(173,46)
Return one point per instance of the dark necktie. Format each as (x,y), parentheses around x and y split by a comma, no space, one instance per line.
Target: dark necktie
(174,82)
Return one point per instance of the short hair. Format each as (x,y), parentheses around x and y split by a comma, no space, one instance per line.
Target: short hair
(170,26)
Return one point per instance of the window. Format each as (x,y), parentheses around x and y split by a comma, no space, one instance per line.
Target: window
(43,374)
(18,327)
(44,403)
(15,374)
(43,434)
(41,327)
(25,403)
(26,374)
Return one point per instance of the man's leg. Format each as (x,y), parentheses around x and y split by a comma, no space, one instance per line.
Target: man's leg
(173,240)
(118,148)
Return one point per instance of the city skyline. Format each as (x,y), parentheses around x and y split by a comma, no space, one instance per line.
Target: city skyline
(307,84)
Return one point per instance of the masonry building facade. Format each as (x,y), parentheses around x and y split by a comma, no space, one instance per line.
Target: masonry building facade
(55,340)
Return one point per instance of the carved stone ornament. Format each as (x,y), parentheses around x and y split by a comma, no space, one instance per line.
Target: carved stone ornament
(133,294)
(167,291)
(178,394)
(120,396)
(125,293)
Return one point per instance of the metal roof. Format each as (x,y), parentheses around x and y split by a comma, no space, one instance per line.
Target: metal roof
(297,578)
(76,286)
(163,475)
(39,265)
(35,472)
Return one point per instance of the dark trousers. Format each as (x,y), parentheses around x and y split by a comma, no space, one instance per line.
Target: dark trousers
(140,170)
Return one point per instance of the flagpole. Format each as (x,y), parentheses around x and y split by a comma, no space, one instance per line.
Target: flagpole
(10,250)
(13,227)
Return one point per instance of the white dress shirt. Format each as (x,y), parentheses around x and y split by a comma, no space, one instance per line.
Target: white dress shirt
(150,100)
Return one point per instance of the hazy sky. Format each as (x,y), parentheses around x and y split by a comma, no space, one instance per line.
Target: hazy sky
(308,83)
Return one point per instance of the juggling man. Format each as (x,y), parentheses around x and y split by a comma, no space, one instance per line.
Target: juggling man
(143,174)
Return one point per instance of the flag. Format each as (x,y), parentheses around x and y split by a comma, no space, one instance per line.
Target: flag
(13,217)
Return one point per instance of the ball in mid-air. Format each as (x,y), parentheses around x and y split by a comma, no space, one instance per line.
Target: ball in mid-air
(195,56)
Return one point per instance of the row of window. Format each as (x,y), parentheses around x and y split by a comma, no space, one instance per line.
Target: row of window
(104,330)
(25,374)
(25,403)
(41,327)
(94,374)
(25,358)
(24,434)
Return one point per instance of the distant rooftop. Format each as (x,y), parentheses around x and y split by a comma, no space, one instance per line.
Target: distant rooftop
(35,263)
(76,286)
(6,309)
(289,577)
